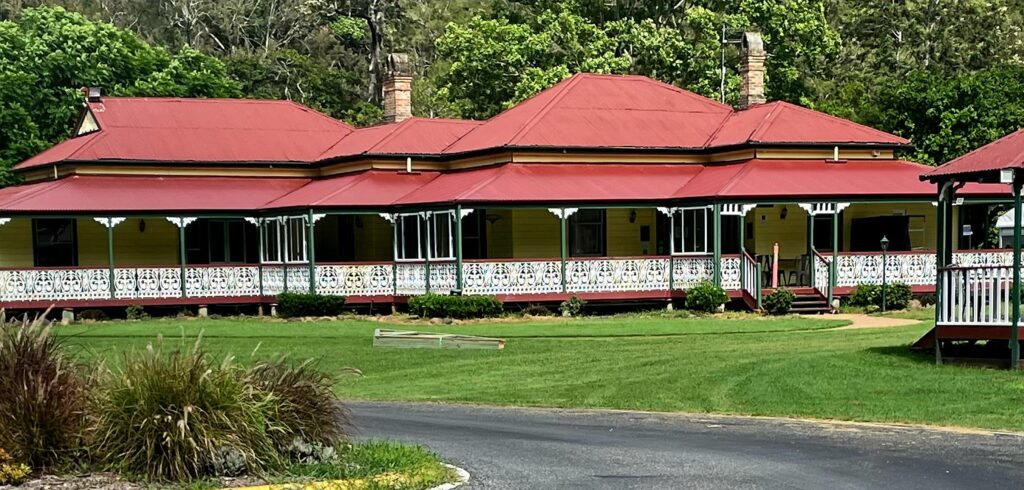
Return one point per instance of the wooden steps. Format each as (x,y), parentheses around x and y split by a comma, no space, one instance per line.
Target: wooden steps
(810,304)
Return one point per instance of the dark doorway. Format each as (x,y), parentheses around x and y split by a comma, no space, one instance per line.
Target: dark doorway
(474,235)
(55,242)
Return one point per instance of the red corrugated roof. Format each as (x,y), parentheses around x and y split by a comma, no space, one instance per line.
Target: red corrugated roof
(1005,152)
(784,123)
(364,189)
(413,136)
(557,182)
(113,194)
(199,130)
(602,111)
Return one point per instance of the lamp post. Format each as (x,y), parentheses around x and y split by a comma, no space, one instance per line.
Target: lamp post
(885,246)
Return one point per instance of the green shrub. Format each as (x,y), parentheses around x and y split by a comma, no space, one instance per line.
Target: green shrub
(43,396)
(705,297)
(309,304)
(308,411)
(93,315)
(573,306)
(135,312)
(779,302)
(537,310)
(12,473)
(897,296)
(442,306)
(175,416)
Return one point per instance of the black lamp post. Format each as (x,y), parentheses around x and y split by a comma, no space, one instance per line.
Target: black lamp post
(885,246)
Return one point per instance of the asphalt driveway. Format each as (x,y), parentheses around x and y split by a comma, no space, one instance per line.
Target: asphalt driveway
(540,448)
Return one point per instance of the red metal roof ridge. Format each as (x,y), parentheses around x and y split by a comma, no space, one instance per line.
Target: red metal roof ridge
(735,178)
(54,184)
(682,91)
(532,121)
(845,122)
(356,179)
(766,121)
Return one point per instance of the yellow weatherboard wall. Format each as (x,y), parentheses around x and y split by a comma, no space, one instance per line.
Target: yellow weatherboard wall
(770,227)
(16,243)
(157,245)
(374,242)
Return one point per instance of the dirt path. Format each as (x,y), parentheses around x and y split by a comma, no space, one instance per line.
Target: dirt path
(859,321)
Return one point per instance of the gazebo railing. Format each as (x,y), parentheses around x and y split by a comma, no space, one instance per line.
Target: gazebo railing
(976,296)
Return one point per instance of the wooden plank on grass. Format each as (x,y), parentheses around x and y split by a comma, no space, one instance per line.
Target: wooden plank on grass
(425,340)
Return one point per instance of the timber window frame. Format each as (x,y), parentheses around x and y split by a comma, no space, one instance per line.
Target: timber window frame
(425,236)
(284,240)
(55,242)
(690,231)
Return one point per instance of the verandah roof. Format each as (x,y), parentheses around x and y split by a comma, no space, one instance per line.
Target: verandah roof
(514,183)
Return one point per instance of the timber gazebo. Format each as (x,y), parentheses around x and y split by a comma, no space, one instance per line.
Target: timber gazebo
(977,301)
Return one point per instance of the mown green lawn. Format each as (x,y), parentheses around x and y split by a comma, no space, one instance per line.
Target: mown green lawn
(745,365)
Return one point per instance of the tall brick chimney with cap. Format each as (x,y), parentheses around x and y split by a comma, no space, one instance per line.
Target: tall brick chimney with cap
(751,70)
(397,88)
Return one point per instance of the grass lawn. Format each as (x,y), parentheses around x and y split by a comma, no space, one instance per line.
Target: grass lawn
(743,365)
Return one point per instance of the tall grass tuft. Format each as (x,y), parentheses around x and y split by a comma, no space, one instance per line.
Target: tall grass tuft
(174,416)
(307,408)
(43,395)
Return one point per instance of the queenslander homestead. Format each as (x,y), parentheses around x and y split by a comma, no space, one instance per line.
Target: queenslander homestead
(604,187)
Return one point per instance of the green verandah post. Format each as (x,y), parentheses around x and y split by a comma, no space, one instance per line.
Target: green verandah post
(810,245)
(1015,323)
(310,250)
(743,250)
(259,251)
(425,218)
(940,260)
(181,253)
(564,245)
(110,257)
(717,244)
(834,266)
(458,249)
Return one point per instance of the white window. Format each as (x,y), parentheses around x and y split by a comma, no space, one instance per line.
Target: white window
(409,237)
(690,231)
(442,242)
(284,240)
(418,237)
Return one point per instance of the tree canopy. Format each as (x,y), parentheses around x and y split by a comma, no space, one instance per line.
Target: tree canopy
(941,73)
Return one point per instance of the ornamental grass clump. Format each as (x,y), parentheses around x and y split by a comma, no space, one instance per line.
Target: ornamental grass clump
(43,395)
(175,416)
(307,411)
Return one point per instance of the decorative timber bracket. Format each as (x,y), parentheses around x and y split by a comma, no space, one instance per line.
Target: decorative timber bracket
(816,208)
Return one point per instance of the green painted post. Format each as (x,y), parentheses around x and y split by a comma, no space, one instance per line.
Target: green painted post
(311,251)
(743,250)
(940,258)
(426,256)
(110,257)
(1015,323)
(758,287)
(563,246)
(717,243)
(810,246)
(181,253)
(458,249)
(259,251)
(833,267)
(671,256)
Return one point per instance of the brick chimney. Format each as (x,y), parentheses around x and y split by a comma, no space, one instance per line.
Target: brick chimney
(397,88)
(751,70)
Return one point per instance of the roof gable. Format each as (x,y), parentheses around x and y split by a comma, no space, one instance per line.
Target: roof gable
(1005,152)
(785,123)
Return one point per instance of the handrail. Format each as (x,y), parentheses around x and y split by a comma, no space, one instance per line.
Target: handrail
(973,267)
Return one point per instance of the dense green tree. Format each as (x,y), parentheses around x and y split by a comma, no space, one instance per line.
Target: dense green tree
(946,116)
(48,54)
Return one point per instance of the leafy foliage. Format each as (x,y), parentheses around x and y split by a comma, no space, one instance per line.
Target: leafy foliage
(779,302)
(443,306)
(573,306)
(705,297)
(44,403)
(308,411)
(309,304)
(174,415)
(897,296)
(12,473)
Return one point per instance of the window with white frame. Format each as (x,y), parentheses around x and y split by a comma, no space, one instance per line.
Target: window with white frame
(409,237)
(441,229)
(284,240)
(690,230)
(416,236)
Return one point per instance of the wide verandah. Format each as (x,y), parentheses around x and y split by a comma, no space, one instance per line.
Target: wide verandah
(616,232)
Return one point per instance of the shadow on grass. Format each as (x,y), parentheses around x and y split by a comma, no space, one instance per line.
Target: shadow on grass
(903,352)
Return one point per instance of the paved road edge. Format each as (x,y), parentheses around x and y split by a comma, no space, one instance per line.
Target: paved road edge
(461,474)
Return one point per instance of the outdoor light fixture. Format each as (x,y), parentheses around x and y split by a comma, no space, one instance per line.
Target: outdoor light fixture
(784,212)
(885,246)
(632,216)
(142,226)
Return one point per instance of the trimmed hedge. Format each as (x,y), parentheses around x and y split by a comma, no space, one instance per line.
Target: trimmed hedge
(443,306)
(705,297)
(897,296)
(309,304)
(779,302)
